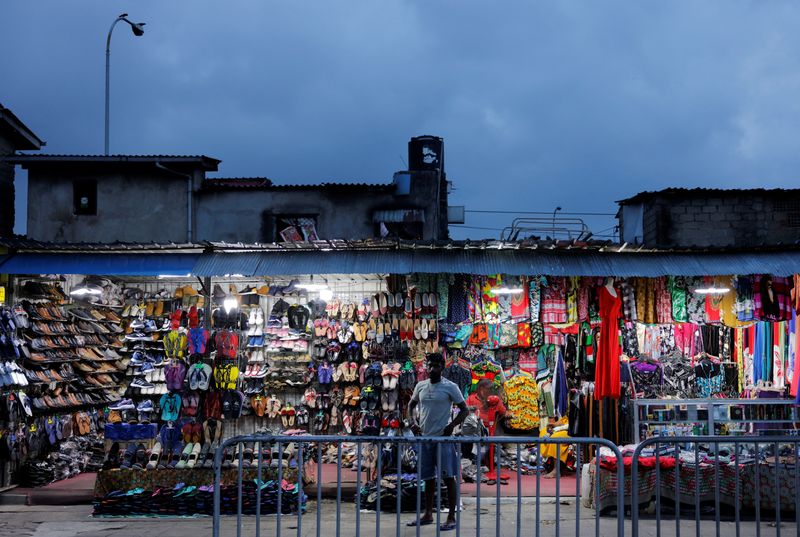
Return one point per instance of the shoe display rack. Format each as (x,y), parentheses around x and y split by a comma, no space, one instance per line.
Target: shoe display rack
(59,366)
(73,359)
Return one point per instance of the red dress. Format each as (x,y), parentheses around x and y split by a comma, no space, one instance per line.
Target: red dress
(606,376)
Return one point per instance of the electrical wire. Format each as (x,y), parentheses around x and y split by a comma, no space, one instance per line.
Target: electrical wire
(534,212)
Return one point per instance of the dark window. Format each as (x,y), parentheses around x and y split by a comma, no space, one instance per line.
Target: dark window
(399,230)
(84,196)
(792,209)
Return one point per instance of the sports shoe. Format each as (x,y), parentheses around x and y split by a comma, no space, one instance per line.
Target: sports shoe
(124,404)
(141,383)
(145,406)
(138,336)
(138,358)
(146,368)
(137,325)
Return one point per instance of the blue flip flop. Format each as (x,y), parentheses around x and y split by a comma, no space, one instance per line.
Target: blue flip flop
(447,526)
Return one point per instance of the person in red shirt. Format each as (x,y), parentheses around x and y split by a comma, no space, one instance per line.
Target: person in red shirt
(489,406)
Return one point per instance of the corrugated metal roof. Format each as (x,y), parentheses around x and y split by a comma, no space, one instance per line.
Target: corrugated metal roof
(402,257)
(25,137)
(31,245)
(26,159)
(236,183)
(703,192)
(101,264)
(520,262)
(335,186)
(217,264)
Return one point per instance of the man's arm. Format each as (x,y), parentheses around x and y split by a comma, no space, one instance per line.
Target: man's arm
(463,412)
(412,418)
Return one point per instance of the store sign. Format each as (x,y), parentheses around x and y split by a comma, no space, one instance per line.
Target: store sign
(2,293)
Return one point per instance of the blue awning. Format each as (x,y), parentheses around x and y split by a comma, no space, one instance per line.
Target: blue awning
(405,261)
(488,261)
(143,264)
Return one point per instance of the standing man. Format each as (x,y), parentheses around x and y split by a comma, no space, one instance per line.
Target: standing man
(436,397)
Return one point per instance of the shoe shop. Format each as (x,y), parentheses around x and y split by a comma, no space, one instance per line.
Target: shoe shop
(135,362)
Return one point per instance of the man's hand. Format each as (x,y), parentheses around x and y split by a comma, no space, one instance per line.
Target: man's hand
(448,430)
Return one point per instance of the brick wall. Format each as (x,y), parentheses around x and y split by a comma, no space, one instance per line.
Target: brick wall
(730,220)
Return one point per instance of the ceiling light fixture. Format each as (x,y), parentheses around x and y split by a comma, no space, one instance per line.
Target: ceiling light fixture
(80,291)
(312,286)
(507,291)
(712,290)
(230,304)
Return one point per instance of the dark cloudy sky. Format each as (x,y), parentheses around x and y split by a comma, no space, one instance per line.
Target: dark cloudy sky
(541,103)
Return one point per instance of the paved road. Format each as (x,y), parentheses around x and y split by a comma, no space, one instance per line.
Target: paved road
(76,521)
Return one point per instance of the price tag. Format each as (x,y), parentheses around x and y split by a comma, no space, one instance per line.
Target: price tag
(2,293)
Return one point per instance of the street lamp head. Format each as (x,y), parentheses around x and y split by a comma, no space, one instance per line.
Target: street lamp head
(138,28)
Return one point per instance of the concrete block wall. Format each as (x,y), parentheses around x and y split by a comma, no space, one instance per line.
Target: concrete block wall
(132,206)
(738,219)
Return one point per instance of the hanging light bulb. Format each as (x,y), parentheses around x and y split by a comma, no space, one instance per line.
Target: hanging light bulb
(230,304)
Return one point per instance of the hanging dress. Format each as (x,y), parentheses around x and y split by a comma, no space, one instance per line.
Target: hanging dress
(608,352)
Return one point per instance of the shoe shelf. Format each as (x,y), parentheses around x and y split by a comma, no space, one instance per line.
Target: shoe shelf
(81,339)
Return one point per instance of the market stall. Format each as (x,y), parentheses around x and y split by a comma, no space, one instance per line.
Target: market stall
(151,372)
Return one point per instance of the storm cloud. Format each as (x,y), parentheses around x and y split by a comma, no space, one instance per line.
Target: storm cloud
(541,104)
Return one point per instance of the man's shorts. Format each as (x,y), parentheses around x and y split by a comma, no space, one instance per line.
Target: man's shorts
(426,461)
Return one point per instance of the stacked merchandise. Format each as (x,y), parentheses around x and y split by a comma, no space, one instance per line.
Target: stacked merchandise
(59,365)
(363,364)
(188,500)
(667,337)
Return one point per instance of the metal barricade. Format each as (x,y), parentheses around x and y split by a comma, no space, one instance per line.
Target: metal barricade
(382,459)
(740,481)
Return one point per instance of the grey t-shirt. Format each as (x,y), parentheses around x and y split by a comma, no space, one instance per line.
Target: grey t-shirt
(436,404)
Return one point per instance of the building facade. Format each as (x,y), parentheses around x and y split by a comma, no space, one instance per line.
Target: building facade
(167,198)
(14,136)
(703,217)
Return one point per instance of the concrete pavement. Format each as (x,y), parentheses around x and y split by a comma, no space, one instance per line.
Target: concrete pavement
(74,521)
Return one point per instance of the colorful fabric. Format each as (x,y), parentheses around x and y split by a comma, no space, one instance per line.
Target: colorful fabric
(686,335)
(695,302)
(474,301)
(490,312)
(663,301)
(608,353)
(523,335)
(727,305)
(745,305)
(458,309)
(520,303)
(583,299)
(771,298)
(522,393)
(677,289)
(535,297)
(646,307)
(573,284)
(627,290)
(554,301)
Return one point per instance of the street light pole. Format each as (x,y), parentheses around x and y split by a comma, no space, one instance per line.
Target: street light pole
(138,30)
(554,221)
